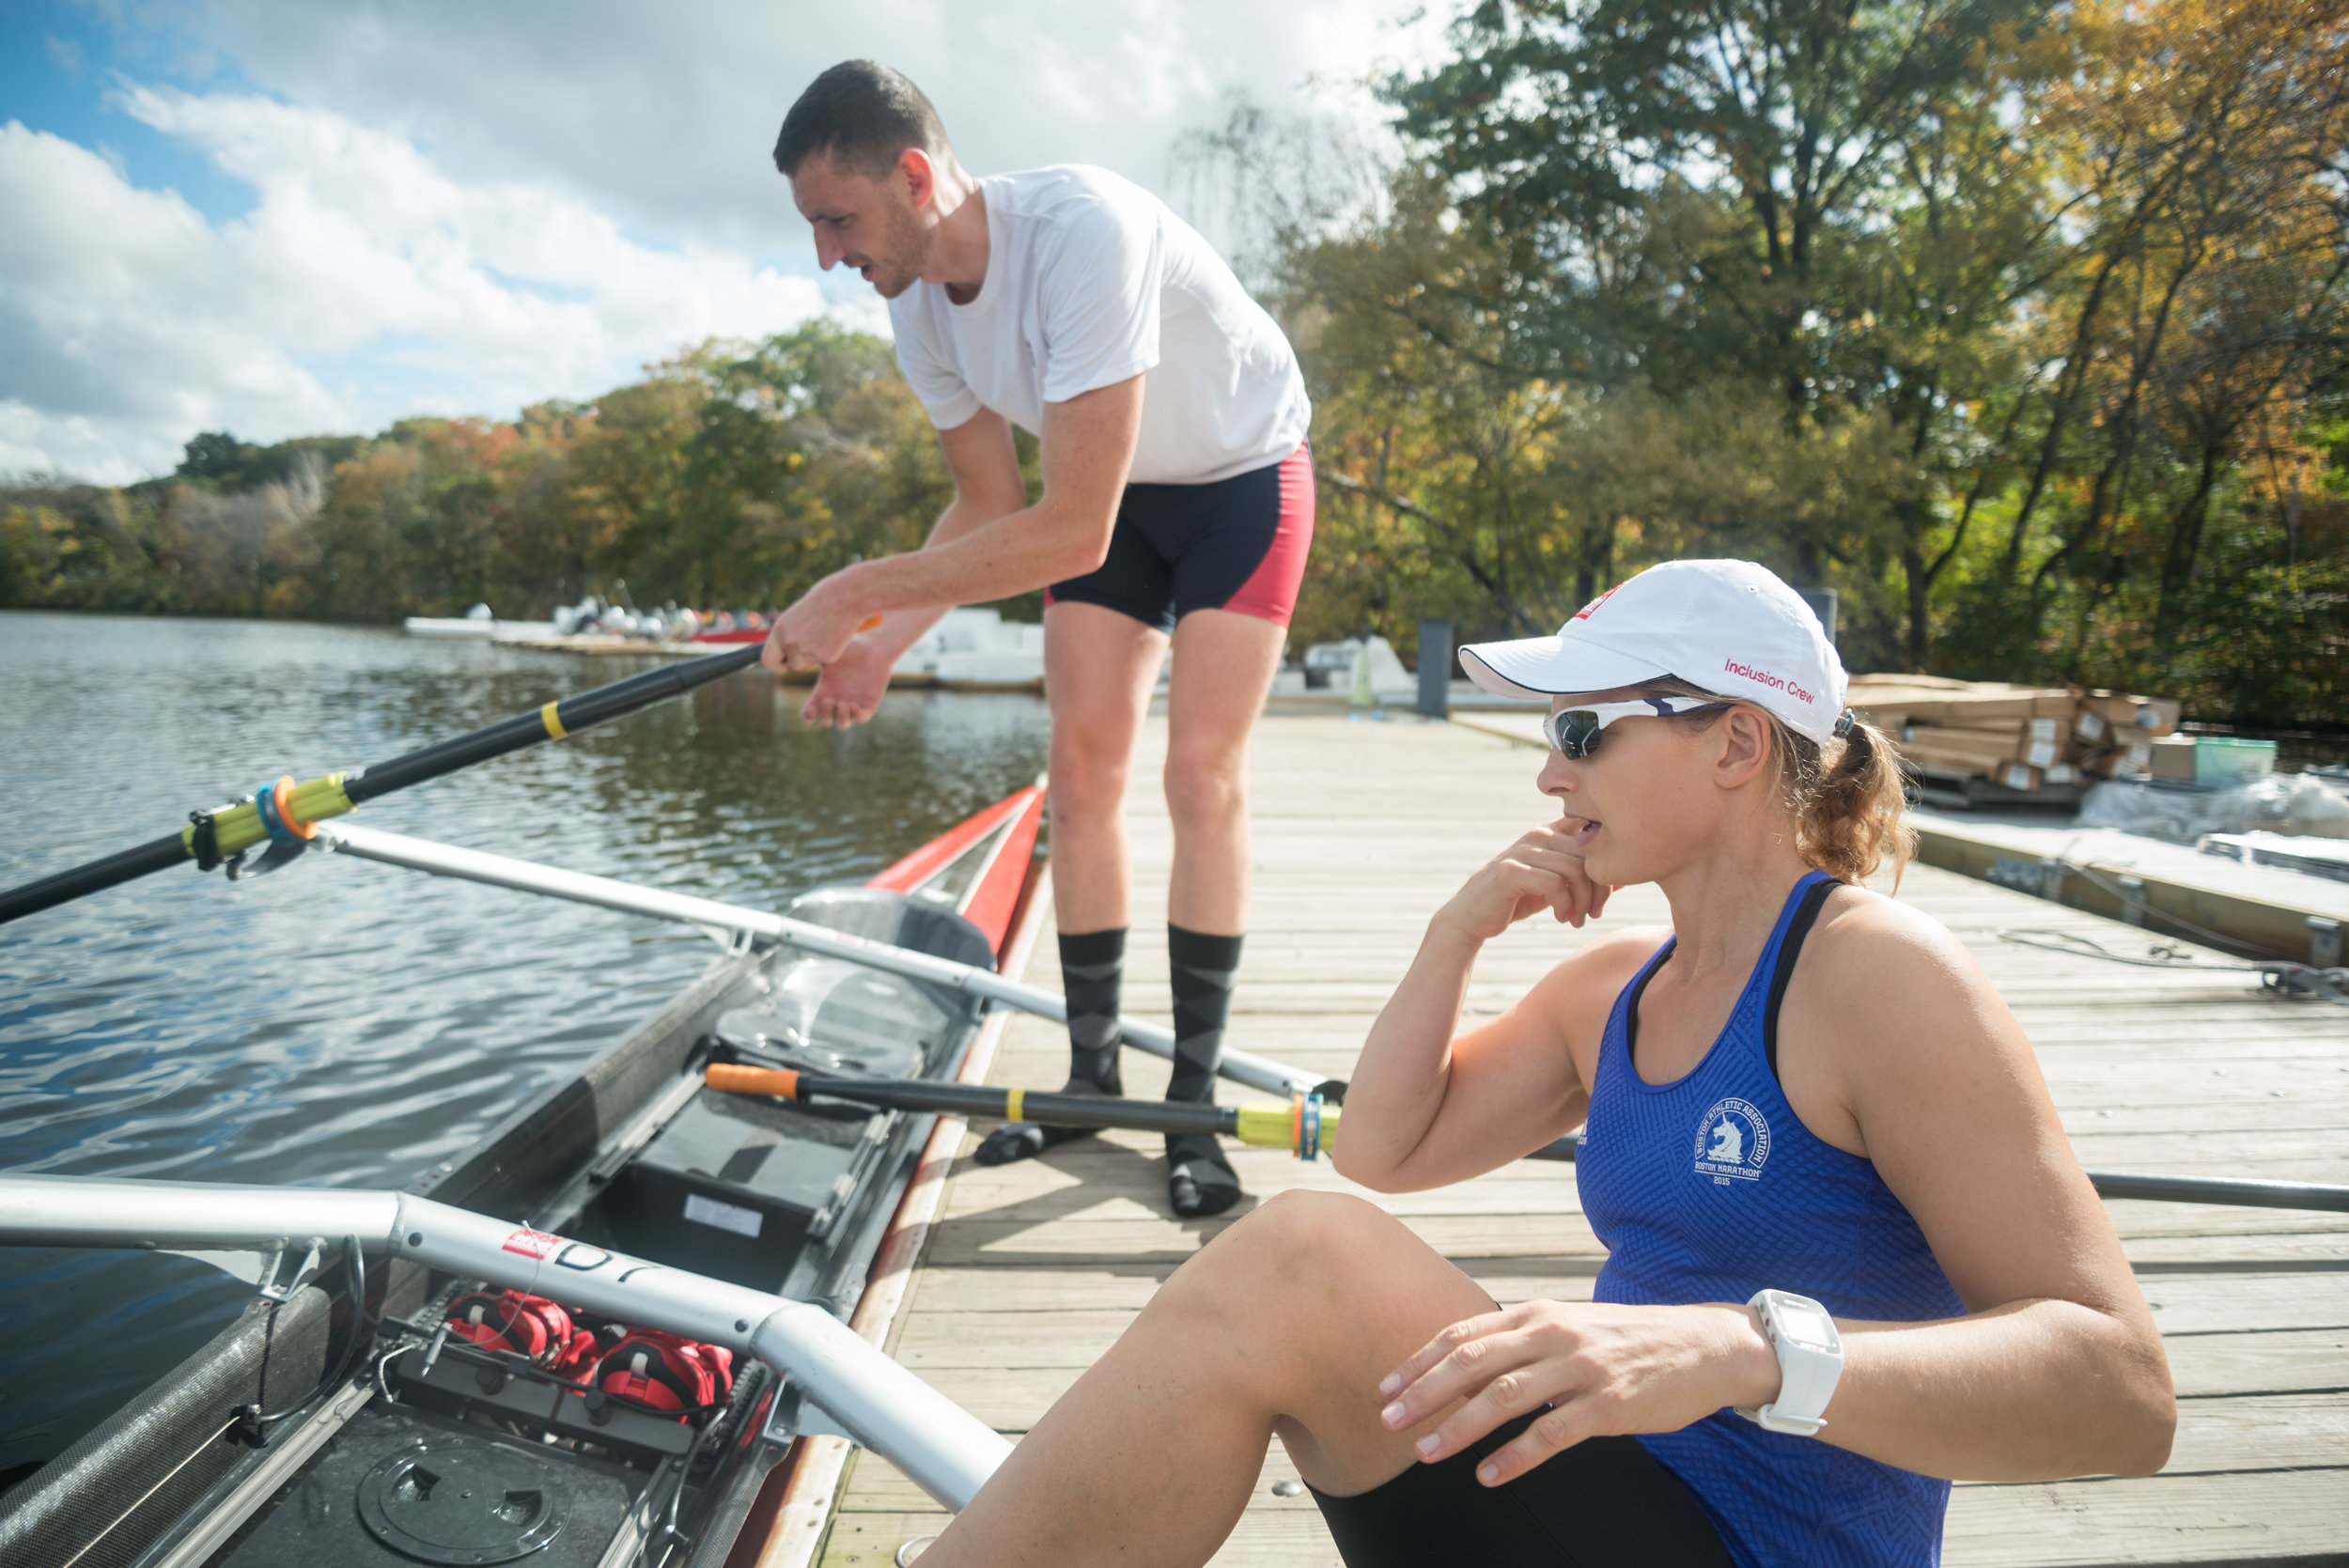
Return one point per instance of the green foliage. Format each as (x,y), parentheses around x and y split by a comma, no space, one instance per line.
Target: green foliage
(2022,327)
(80,547)
(735,474)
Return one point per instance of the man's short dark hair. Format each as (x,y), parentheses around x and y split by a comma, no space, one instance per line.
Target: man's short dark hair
(862,115)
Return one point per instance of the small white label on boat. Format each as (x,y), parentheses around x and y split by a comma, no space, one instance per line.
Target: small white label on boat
(725,1217)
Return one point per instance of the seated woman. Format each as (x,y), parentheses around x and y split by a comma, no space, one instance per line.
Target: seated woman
(1851,1255)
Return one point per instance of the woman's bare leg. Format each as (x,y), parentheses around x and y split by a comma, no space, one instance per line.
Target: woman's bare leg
(1283,1325)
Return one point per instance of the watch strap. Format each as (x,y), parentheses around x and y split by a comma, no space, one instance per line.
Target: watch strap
(1767,1418)
(1807,1377)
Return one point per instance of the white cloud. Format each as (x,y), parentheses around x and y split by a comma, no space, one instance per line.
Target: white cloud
(464,209)
(366,283)
(666,113)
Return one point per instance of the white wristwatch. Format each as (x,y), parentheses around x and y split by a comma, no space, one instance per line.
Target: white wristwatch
(1810,1362)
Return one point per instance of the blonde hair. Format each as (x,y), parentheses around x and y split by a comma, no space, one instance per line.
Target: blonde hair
(1845,797)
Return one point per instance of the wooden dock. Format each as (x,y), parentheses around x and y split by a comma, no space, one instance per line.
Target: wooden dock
(1361,829)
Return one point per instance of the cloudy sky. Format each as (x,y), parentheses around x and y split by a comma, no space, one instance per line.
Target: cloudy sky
(278,217)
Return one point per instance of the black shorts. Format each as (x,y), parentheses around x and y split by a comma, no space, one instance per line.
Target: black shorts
(1604,1501)
(1235,544)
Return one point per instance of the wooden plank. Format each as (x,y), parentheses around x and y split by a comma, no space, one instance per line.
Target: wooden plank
(2222,1303)
(2226,1434)
(2312,1360)
(2259,1516)
(863,1540)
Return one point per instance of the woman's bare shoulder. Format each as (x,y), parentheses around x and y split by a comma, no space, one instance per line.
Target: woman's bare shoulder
(1867,946)
(1900,996)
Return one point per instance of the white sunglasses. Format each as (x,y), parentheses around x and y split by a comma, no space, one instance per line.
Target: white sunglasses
(1575,731)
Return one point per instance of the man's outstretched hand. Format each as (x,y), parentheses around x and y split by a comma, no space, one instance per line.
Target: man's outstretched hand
(850,686)
(815,630)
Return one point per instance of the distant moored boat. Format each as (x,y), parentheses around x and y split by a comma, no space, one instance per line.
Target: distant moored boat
(478,624)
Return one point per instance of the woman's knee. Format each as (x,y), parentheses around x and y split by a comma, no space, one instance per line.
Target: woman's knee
(1303,1247)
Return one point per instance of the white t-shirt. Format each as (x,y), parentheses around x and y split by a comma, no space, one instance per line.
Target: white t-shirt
(1090,280)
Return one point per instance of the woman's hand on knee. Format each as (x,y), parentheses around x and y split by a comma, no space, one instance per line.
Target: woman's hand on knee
(1541,871)
(1601,1369)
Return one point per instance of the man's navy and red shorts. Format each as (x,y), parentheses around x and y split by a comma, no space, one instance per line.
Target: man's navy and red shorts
(1235,544)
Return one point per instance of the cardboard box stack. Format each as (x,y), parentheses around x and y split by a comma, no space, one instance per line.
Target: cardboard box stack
(2023,738)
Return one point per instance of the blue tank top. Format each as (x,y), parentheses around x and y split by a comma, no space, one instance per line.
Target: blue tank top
(1710,1188)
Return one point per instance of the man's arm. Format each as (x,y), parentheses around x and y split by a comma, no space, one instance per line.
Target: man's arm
(988,487)
(1087,447)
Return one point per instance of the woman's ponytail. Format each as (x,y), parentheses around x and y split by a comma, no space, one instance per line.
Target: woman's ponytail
(1849,820)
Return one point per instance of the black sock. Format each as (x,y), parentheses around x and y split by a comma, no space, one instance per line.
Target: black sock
(1199,972)
(1200,1181)
(1092,967)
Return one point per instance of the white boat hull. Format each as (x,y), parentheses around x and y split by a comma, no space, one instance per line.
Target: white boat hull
(453,626)
(465,628)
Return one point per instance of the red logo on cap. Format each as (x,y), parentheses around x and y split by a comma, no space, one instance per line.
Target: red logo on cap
(1584,613)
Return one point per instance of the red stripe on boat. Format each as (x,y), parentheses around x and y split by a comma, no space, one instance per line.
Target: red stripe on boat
(991,907)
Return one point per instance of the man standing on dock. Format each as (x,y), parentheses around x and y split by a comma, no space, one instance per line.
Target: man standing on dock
(1177,504)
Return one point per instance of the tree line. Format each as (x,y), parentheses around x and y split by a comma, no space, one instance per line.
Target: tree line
(2023,327)
(734,474)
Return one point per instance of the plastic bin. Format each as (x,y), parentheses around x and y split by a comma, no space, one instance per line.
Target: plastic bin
(2221,762)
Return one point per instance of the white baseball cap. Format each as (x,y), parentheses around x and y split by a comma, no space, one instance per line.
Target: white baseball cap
(1729,627)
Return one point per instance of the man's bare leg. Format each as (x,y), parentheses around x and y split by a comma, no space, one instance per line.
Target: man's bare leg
(1100,668)
(1223,666)
(1282,1326)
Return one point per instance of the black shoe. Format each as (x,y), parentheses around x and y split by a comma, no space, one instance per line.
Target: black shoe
(1016,1141)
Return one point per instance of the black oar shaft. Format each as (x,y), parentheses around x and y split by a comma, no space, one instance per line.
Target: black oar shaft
(2220,1189)
(1062,1110)
(1305,1127)
(66,886)
(337,792)
(588,708)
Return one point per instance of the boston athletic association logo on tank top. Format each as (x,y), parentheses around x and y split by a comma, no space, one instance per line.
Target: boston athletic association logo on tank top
(1733,1141)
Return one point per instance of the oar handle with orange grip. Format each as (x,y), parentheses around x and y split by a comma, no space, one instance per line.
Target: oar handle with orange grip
(734,1079)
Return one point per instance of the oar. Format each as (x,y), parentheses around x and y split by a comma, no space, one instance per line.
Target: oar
(1306,1125)
(287,811)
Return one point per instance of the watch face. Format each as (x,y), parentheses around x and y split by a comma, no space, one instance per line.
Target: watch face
(1806,1325)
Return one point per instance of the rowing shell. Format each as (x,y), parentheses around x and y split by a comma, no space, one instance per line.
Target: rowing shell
(634,1160)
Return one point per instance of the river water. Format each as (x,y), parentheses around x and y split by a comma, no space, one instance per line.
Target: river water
(341,1023)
